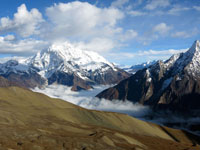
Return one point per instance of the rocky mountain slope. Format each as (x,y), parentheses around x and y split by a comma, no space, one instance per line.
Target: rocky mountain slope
(63,64)
(6,83)
(174,83)
(33,121)
(18,72)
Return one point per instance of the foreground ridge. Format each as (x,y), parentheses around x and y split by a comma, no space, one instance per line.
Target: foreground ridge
(30,120)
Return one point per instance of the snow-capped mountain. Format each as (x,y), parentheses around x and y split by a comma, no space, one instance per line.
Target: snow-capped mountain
(172,83)
(133,69)
(68,59)
(64,64)
(19,73)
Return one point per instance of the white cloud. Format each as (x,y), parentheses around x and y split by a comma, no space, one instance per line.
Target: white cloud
(91,28)
(150,54)
(181,34)
(137,13)
(161,52)
(88,25)
(196,8)
(24,23)
(154,4)
(9,37)
(157,31)
(20,47)
(152,9)
(87,100)
(119,3)
(176,10)
(185,34)
(88,20)
(102,45)
(96,44)
(128,35)
(162,28)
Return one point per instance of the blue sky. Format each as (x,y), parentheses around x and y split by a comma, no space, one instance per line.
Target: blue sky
(124,31)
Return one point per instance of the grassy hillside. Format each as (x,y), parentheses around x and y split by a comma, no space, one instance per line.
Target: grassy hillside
(30,120)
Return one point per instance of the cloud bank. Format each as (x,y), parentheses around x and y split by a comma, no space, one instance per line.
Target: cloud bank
(87,100)
(90,28)
(25,23)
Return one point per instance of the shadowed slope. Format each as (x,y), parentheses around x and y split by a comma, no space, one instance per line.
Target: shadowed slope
(6,83)
(30,120)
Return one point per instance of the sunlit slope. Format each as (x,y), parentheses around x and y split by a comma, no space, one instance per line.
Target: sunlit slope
(29,119)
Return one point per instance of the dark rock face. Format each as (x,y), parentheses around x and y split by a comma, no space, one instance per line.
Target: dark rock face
(108,77)
(69,80)
(77,83)
(4,82)
(21,75)
(174,83)
(132,88)
(30,78)
(25,80)
(184,93)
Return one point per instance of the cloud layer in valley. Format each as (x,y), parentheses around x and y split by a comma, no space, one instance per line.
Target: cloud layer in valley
(87,100)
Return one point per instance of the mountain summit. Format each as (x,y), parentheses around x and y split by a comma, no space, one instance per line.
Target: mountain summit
(63,64)
(66,58)
(173,83)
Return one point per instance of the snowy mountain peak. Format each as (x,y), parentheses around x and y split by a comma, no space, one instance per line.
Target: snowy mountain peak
(68,52)
(188,61)
(62,64)
(195,47)
(192,58)
(174,83)
(67,58)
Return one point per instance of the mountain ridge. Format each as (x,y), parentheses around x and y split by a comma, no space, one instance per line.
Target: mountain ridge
(134,68)
(171,83)
(63,64)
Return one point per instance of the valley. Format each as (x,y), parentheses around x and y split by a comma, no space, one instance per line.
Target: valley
(99,75)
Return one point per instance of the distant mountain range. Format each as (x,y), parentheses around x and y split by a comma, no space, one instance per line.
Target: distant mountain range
(174,83)
(133,69)
(62,64)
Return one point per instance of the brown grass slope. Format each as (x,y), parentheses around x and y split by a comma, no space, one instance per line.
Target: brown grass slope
(33,121)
